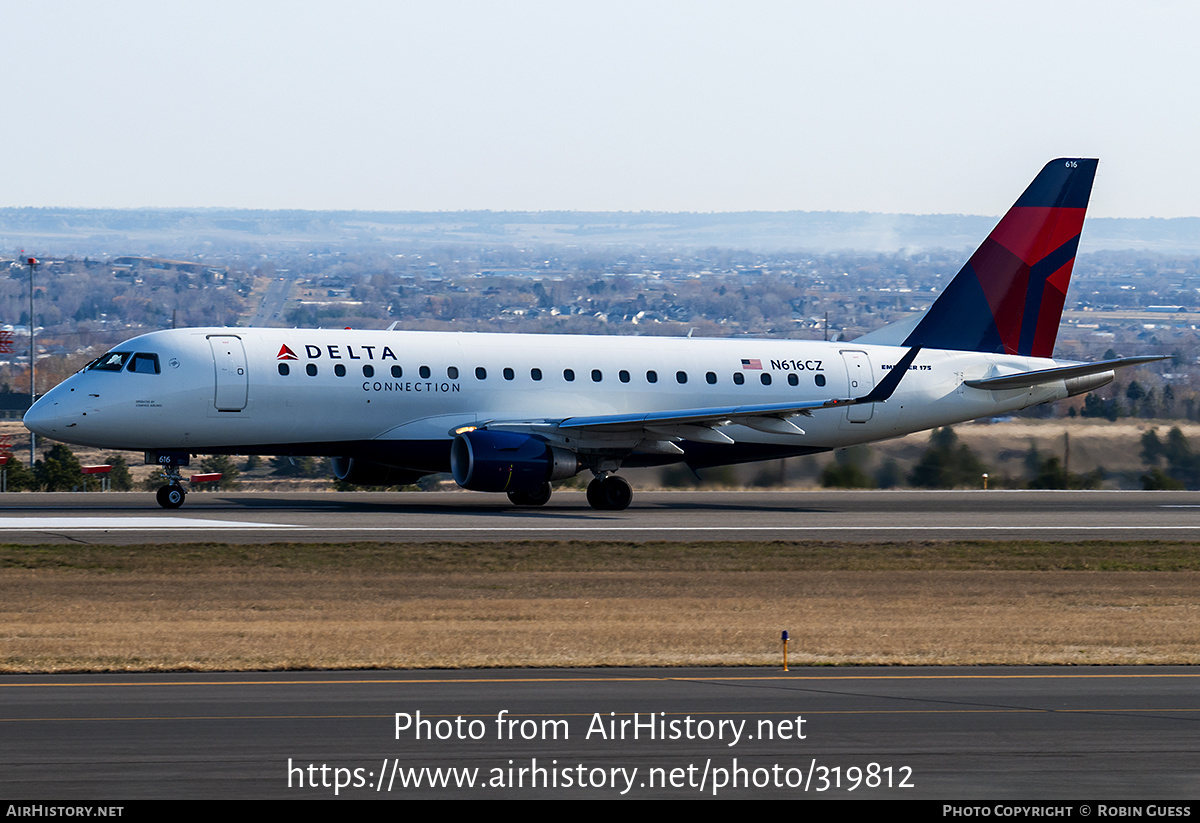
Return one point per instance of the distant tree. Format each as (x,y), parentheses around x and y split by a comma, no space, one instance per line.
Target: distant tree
(846,471)
(1152,448)
(946,463)
(848,476)
(59,471)
(1158,480)
(1050,475)
(253,461)
(1095,407)
(1168,401)
(1033,460)
(20,478)
(119,479)
(1177,450)
(311,467)
(222,463)
(889,475)
(1182,464)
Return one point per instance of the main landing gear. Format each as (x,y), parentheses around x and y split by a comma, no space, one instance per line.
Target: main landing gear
(605,493)
(531,497)
(609,493)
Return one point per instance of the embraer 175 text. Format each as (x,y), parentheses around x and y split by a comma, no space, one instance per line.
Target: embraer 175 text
(515,412)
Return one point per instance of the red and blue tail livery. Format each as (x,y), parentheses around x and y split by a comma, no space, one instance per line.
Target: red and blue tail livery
(1009,297)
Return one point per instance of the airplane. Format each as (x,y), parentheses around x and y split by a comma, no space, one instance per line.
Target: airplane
(514,413)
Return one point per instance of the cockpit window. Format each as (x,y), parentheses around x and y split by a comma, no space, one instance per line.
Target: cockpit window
(144,363)
(113,361)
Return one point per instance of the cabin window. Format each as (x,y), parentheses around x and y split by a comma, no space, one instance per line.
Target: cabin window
(368,371)
(597,376)
(711,377)
(680,377)
(820,378)
(452,372)
(144,363)
(311,368)
(793,379)
(623,376)
(765,377)
(339,370)
(480,373)
(509,374)
(739,378)
(285,369)
(651,376)
(397,371)
(568,375)
(535,374)
(424,372)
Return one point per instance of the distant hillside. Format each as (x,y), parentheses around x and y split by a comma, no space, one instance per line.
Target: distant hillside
(101,231)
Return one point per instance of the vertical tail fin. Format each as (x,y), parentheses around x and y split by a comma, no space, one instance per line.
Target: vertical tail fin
(1009,296)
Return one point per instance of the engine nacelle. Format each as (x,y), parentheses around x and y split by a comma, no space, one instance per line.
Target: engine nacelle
(496,461)
(1089,382)
(366,473)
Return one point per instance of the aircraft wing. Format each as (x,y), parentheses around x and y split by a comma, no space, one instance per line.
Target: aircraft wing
(1025,380)
(701,424)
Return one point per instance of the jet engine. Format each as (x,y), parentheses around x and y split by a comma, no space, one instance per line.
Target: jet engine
(367,473)
(497,461)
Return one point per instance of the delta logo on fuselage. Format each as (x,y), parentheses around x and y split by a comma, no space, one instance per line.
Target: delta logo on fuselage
(335,353)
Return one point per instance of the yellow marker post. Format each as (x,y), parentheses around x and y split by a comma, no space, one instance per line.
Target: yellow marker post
(785,641)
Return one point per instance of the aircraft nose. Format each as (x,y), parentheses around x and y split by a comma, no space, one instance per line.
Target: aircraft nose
(44,417)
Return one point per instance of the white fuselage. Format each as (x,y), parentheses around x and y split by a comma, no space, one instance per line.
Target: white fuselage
(224,390)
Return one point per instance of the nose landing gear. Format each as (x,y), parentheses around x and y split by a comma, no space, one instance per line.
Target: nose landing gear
(171,496)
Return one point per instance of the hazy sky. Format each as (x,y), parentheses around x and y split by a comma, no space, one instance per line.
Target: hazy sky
(685,106)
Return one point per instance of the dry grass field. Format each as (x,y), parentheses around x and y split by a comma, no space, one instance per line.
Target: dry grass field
(222,607)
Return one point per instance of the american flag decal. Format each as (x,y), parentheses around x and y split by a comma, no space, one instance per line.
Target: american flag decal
(751,364)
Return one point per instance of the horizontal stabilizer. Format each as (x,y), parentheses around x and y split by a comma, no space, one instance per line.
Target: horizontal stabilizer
(1027,379)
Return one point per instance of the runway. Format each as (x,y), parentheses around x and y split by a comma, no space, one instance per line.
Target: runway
(857,516)
(975,733)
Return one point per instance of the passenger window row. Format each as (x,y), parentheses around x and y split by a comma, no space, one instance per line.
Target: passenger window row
(535,374)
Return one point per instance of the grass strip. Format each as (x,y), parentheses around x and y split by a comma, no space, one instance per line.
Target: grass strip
(612,556)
